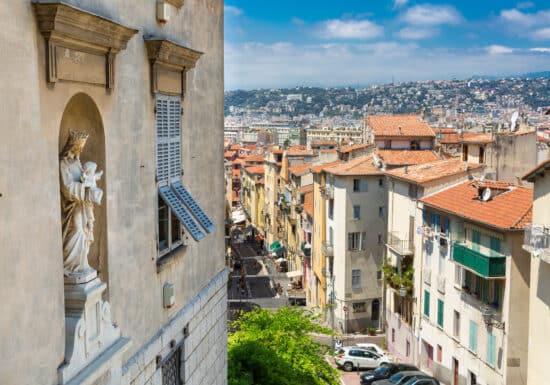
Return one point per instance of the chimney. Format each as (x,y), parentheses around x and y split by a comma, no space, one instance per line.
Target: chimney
(406,169)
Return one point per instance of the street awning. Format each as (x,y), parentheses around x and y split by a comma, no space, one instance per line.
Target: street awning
(293,274)
(275,245)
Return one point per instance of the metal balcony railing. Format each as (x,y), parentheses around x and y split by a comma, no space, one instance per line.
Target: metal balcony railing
(537,241)
(401,246)
(486,264)
(328,249)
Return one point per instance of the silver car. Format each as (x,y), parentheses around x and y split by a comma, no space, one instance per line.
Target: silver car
(400,378)
(352,357)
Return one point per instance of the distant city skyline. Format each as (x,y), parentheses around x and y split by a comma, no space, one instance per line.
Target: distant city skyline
(326,43)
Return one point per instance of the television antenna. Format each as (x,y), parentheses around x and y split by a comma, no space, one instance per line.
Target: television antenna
(513,121)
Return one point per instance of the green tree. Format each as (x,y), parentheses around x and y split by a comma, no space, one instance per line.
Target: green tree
(276,348)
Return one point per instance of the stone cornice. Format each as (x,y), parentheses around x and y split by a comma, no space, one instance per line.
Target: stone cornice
(67,26)
(163,51)
(175,3)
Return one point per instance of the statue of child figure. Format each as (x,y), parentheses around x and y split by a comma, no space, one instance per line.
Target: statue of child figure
(93,194)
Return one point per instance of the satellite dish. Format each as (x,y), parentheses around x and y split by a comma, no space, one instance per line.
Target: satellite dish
(486,194)
(513,121)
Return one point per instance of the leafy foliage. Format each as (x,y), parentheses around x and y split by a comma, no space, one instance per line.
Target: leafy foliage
(275,348)
(392,277)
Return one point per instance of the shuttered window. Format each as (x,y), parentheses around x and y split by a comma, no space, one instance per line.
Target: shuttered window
(473,337)
(356,279)
(491,349)
(168,129)
(440,307)
(427,303)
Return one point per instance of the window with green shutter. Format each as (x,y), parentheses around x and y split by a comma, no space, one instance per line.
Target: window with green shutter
(476,240)
(491,349)
(495,244)
(473,337)
(427,303)
(440,313)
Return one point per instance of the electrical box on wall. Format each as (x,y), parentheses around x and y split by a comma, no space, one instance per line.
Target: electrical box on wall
(162,11)
(168,298)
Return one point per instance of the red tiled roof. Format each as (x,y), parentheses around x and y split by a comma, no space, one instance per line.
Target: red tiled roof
(429,172)
(300,169)
(399,125)
(476,137)
(320,167)
(236,172)
(328,151)
(346,149)
(407,157)
(540,168)
(254,158)
(255,170)
(228,154)
(363,165)
(235,147)
(299,152)
(316,143)
(308,203)
(238,161)
(508,210)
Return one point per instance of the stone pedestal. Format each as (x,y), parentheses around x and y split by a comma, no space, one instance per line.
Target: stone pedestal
(93,346)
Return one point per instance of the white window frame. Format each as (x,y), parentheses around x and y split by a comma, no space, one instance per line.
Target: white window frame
(356,212)
(354,241)
(356,279)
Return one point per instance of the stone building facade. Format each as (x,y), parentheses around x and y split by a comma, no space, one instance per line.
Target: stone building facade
(143,81)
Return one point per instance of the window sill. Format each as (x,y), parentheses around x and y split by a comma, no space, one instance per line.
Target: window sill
(169,258)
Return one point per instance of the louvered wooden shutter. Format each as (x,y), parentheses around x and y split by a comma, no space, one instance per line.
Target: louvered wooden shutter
(174,105)
(163,139)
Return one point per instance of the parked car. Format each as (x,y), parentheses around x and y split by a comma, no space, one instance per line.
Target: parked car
(400,378)
(370,346)
(422,380)
(384,371)
(350,358)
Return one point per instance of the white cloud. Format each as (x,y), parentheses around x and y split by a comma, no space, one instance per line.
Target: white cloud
(542,34)
(255,65)
(540,49)
(297,21)
(431,15)
(525,5)
(232,10)
(416,33)
(498,49)
(399,3)
(350,29)
(522,19)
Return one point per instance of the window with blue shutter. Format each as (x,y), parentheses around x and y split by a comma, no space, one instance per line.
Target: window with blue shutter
(473,337)
(427,303)
(193,206)
(446,225)
(491,349)
(476,239)
(440,307)
(364,185)
(495,244)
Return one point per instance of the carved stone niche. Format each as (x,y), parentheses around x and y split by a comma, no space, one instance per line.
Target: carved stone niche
(169,65)
(80,46)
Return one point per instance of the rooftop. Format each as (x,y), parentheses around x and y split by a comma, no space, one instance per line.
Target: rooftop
(321,167)
(306,189)
(254,158)
(363,165)
(407,157)
(255,170)
(399,125)
(346,149)
(428,172)
(300,169)
(538,170)
(510,209)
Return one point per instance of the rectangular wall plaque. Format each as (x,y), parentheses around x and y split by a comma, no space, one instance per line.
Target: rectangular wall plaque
(80,66)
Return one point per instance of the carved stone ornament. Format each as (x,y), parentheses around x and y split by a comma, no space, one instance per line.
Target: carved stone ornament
(175,3)
(80,45)
(169,64)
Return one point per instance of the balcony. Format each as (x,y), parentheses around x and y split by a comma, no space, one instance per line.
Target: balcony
(537,241)
(328,249)
(327,191)
(427,275)
(306,249)
(487,265)
(400,246)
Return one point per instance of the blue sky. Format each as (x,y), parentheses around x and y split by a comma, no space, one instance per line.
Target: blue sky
(360,42)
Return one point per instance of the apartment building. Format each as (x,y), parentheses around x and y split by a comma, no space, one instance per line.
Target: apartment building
(537,243)
(273,164)
(398,132)
(336,134)
(403,266)
(474,291)
(355,200)
(112,257)
(252,195)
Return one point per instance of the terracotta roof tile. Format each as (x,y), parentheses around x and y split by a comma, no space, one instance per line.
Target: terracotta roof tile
(363,165)
(407,157)
(235,147)
(300,169)
(254,158)
(429,172)
(320,167)
(398,125)
(228,154)
(509,210)
(476,137)
(305,189)
(255,170)
(299,152)
(346,149)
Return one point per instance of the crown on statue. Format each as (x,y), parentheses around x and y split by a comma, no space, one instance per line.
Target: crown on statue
(78,137)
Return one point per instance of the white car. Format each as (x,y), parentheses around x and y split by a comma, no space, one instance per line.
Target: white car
(373,347)
(353,357)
